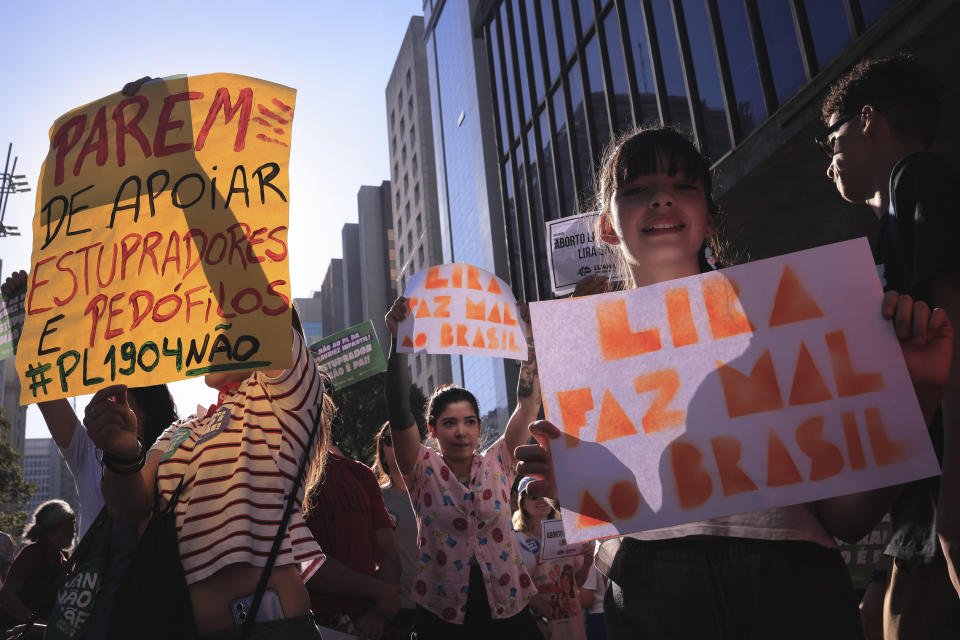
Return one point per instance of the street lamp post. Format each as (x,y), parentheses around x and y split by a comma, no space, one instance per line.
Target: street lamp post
(10,182)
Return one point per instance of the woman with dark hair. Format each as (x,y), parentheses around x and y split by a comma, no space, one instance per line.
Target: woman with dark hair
(36,569)
(470,579)
(769,573)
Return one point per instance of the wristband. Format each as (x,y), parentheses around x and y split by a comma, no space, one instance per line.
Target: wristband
(121,466)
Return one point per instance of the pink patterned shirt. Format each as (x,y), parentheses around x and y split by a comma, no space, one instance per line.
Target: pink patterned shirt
(457,523)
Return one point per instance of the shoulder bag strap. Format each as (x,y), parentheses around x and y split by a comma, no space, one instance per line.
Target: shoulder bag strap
(278,539)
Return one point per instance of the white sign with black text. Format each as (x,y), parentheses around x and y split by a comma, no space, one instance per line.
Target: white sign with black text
(554,543)
(574,252)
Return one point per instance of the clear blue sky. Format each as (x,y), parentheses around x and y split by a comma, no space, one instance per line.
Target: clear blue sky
(338,55)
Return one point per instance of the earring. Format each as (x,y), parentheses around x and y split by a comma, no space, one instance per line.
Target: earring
(709,257)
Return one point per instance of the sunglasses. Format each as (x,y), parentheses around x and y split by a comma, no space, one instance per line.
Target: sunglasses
(823,139)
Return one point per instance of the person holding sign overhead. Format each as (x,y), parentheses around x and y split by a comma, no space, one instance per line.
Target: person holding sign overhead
(774,572)
(236,463)
(470,581)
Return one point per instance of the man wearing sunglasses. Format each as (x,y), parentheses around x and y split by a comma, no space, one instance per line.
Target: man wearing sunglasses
(881,119)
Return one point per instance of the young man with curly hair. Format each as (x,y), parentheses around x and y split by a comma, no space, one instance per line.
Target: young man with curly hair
(881,120)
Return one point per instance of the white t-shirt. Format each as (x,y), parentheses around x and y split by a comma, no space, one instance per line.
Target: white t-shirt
(797,522)
(597,584)
(83,461)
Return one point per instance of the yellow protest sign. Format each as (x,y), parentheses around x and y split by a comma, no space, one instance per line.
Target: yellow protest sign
(160,238)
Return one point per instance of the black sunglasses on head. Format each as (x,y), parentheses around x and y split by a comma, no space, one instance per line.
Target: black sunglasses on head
(823,138)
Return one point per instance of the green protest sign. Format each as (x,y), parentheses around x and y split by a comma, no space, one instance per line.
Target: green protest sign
(11,324)
(350,355)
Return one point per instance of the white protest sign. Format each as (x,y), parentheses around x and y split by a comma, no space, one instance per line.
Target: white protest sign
(459,308)
(554,544)
(574,252)
(767,384)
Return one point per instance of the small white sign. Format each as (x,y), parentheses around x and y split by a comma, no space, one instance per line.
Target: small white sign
(575,252)
(554,545)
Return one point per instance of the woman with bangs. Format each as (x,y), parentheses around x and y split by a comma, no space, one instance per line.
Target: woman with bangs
(770,573)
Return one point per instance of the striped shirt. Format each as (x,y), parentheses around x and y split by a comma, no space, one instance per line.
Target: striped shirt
(238,465)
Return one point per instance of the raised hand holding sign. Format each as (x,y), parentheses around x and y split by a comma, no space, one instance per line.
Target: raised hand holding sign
(160,239)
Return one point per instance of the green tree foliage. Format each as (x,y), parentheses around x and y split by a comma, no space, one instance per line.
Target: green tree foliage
(14,491)
(362,410)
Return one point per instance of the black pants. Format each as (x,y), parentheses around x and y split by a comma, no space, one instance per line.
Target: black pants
(715,588)
(477,624)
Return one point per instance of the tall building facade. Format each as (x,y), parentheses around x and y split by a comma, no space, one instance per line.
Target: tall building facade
(311,316)
(331,298)
(744,78)
(378,269)
(352,274)
(45,468)
(415,213)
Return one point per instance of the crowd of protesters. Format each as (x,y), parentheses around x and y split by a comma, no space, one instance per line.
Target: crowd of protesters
(246,518)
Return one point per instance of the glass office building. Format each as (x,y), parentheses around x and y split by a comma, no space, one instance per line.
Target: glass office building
(568,75)
(471,216)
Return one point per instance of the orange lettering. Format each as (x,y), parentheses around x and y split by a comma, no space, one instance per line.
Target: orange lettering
(591,513)
(694,485)
(617,340)
(473,278)
(826,460)
(624,499)
(781,470)
(407,342)
(755,393)
(462,336)
(446,335)
(456,280)
(421,339)
(441,311)
(476,310)
(885,450)
(513,342)
(721,297)
(434,281)
(613,422)
(792,302)
(733,479)
(808,385)
(411,303)
(492,341)
(667,383)
(493,287)
(682,329)
(849,383)
(854,445)
(573,412)
(423,311)
(494,314)
(508,319)
(478,339)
